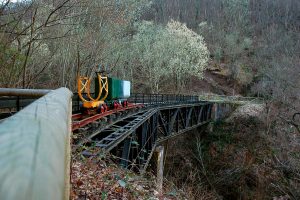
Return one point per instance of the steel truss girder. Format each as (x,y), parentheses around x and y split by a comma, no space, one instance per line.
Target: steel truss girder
(134,138)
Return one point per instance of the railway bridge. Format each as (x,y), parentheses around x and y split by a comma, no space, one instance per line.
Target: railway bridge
(35,134)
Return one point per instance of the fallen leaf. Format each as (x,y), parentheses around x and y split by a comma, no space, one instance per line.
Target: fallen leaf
(122,183)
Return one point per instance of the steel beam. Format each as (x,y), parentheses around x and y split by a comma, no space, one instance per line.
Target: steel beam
(126,152)
(23,92)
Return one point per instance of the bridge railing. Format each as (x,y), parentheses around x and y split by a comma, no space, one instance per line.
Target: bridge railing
(15,103)
(35,149)
(12,104)
(148,99)
(224,98)
(156,99)
(13,100)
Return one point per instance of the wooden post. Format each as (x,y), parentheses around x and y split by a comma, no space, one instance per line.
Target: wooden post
(160,168)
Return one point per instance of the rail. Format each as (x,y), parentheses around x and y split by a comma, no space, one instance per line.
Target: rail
(35,149)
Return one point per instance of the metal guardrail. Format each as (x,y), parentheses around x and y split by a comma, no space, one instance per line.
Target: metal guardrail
(23,92)
(35,149)
(148,99)
(14,99)
(233,99)
(15,103)
(157,99)
(11,104)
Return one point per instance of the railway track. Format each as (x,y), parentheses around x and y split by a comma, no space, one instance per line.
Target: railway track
(80,120)
(84,127)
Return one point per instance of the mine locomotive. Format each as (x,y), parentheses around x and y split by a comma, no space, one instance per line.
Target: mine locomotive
(109,93)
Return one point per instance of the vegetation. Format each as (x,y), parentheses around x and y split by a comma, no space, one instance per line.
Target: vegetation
(236,161)
(46,43)
(248,47)
(100,178)
(42,40)
(162,52)
(258,41)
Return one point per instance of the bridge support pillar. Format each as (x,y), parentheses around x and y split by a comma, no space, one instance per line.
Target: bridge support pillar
(216,110)
(160,168)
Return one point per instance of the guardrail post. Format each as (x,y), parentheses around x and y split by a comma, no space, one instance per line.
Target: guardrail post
(18,103)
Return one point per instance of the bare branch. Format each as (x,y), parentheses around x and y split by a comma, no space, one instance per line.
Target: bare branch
(29,48)
(56,9)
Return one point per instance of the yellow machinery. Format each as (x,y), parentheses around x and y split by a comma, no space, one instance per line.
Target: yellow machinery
(84,86)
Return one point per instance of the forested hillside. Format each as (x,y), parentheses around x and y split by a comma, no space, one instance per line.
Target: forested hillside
(44,44)
(246,47)
(229,47)
(257,40)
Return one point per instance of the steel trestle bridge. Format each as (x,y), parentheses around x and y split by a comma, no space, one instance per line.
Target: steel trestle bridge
(134,138)
(130,134)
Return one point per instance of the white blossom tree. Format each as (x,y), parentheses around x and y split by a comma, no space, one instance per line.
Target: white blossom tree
(159,53)
(189,54)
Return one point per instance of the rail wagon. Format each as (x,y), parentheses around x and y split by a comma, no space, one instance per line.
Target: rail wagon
(110,93)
